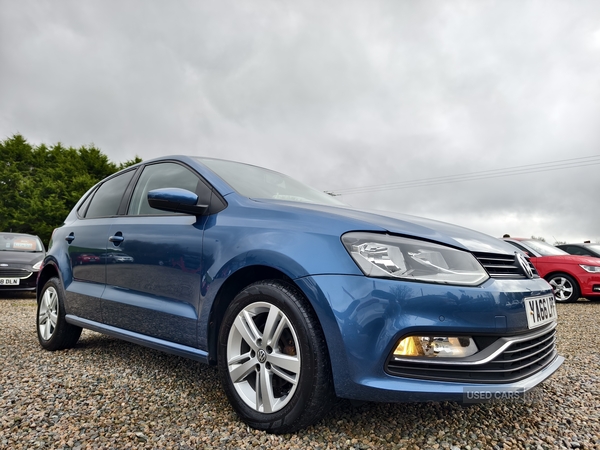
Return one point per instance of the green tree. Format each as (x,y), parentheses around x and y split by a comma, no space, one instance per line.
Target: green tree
(40,185)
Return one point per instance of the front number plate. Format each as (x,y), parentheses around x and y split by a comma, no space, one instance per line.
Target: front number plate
(540,310)
(9,281)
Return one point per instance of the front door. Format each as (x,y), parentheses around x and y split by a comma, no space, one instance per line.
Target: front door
(154,262)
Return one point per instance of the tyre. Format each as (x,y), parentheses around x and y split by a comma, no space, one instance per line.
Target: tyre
(54,333)
(566,289)
(273,360)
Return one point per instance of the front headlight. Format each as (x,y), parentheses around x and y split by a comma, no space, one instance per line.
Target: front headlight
(37,265)
(590,269)
(380,255)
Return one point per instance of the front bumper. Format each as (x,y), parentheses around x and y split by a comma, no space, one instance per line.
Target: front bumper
(590,285)
(27,279)
(364,318)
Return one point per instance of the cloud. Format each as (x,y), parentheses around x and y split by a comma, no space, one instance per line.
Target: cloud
(337,94)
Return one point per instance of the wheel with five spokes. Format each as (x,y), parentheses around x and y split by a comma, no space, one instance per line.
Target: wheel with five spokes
(566,289)
(54,333)
(273,361)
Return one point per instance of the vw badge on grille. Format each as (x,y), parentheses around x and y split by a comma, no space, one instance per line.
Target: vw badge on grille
(524,265)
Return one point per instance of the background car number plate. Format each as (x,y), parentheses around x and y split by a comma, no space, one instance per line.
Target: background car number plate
(9,281)
(540,310)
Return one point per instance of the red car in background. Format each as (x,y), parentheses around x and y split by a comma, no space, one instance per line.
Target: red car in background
(87,258)
(571,276)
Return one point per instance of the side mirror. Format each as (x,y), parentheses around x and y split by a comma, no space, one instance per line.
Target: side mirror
(176,200)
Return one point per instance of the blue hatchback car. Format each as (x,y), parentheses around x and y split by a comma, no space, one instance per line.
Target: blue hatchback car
(296,297)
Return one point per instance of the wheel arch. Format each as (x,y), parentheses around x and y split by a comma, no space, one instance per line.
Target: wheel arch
(562,272)
(234,285)
(49,270)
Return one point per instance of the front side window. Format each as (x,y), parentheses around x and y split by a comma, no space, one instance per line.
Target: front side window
(520,247)
(157,176)
(107,199)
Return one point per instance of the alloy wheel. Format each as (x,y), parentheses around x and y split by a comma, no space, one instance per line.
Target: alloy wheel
(263,357)
(563,288)
(48,313)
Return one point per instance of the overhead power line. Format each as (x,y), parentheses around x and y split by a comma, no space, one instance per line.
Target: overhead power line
(473,176)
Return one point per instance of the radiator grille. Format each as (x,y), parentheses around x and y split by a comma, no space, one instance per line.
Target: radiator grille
(503,266)
(7,272)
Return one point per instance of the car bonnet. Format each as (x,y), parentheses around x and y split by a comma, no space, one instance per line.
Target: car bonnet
(9,257)
(407,225)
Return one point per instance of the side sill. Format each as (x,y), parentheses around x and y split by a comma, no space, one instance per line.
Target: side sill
(141,339)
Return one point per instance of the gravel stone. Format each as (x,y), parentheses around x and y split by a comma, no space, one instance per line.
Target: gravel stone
(110,394)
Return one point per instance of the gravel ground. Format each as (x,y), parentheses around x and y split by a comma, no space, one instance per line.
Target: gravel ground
(110,394)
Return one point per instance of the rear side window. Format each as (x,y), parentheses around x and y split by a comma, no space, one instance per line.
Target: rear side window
(520,247)
(164,175)
(108,197)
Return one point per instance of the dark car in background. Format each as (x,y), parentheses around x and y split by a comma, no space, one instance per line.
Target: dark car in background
(571,276)
(584,249)
(21,257)
(294,296)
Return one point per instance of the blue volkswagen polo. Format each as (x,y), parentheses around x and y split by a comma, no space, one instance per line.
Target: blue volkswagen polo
(296,297)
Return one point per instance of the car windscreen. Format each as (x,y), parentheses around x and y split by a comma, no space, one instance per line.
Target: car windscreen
(594,247)
(20,243)
(257,182)
(543,248)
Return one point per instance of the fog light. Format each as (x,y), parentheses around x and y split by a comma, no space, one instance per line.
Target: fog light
(596,288)
(436,347)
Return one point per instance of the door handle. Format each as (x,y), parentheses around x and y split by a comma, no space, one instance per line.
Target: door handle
(70,238)
(117,238)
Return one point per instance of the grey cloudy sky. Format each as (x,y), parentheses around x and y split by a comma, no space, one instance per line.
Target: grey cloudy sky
(338,94)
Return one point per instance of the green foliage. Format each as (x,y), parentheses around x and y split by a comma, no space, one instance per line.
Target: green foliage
(40,185)
(539,238)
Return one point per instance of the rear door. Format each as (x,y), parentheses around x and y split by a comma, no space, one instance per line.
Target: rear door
(87,241)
